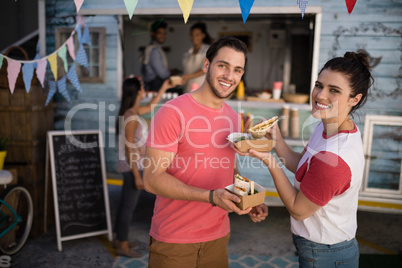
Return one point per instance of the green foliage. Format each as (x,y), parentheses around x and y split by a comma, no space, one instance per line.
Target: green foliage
(3,143)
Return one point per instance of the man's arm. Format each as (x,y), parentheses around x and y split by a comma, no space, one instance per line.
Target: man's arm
(159,182)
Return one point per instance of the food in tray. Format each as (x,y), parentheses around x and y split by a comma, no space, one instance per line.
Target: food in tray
(243,138)
(247,198)
(245,141)
(238,136)
(243,186)
(240,191)
(259,131)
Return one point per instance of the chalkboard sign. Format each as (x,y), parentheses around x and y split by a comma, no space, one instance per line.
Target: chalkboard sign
(80,194)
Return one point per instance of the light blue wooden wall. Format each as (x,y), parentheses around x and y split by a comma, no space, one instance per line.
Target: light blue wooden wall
(103,96)
(375,26)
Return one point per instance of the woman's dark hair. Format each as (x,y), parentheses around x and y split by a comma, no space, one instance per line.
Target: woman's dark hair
(203,28)
(131,87)
(357,68)
(226,41)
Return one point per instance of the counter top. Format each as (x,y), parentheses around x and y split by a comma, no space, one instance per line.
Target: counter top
(273,105)
(256,104)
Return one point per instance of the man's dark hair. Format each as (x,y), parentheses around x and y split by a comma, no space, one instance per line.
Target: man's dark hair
(227,41)
(158,24)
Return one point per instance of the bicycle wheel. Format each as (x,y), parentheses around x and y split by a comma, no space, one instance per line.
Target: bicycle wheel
(19,200)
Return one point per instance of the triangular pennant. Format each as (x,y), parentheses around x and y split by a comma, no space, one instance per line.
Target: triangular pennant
(52,91)
(62,53)
(186,6)
(350,4)
(37,57)
(79,33)
(70,46)
(41,71)
(13,70)
(245,7)
(62,88)
(81,57)
(27,74)
(130,6)
(72,77)
(53,64)
(302,5)
(86,39)
(78,4)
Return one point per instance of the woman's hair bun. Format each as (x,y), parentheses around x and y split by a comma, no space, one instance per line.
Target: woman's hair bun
(361,56)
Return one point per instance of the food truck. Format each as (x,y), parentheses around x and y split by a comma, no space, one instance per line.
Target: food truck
(286,43)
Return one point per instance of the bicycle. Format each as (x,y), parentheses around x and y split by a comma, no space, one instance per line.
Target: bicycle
(16,214)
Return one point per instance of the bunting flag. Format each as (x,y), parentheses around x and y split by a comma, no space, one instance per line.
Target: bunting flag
(350,4)
(79,33)
(72,77)
(13,70)
(245,7)
(62,88)
(130,6)
(27,74)
(70,46)
(186,6)
(78,4)
(52,91)
(40,64)
(41,71)
(63,55)
(52,59)
(81,57)
(302,5)
(86,39)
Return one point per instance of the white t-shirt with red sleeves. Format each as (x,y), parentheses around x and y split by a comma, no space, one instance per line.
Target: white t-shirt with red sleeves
(203,158)
(330,175)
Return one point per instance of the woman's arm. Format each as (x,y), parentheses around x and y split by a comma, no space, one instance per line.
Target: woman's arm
(144,109)
(298,205)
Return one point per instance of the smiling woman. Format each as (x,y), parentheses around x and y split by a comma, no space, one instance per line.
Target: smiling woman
(329,171)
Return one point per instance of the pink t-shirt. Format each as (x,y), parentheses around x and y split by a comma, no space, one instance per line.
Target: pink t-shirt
(204,159)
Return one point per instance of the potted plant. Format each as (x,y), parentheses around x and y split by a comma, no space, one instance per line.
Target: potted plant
(3,150)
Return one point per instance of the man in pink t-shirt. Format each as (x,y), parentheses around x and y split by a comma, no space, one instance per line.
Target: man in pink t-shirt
(189,162)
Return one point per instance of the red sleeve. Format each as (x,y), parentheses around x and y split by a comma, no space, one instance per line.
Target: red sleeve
(328,176)
(165,129)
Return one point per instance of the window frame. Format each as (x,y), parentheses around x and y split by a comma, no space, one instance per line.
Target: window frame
(101,78)
(370,122)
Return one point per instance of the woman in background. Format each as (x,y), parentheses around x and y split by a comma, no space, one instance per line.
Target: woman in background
(194,57)
(328,173)
(133,131)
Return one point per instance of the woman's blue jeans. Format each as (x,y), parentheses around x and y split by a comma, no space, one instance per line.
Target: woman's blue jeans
(344,254)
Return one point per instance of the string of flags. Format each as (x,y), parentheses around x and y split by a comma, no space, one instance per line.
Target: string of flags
(187,5)
(39,65)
